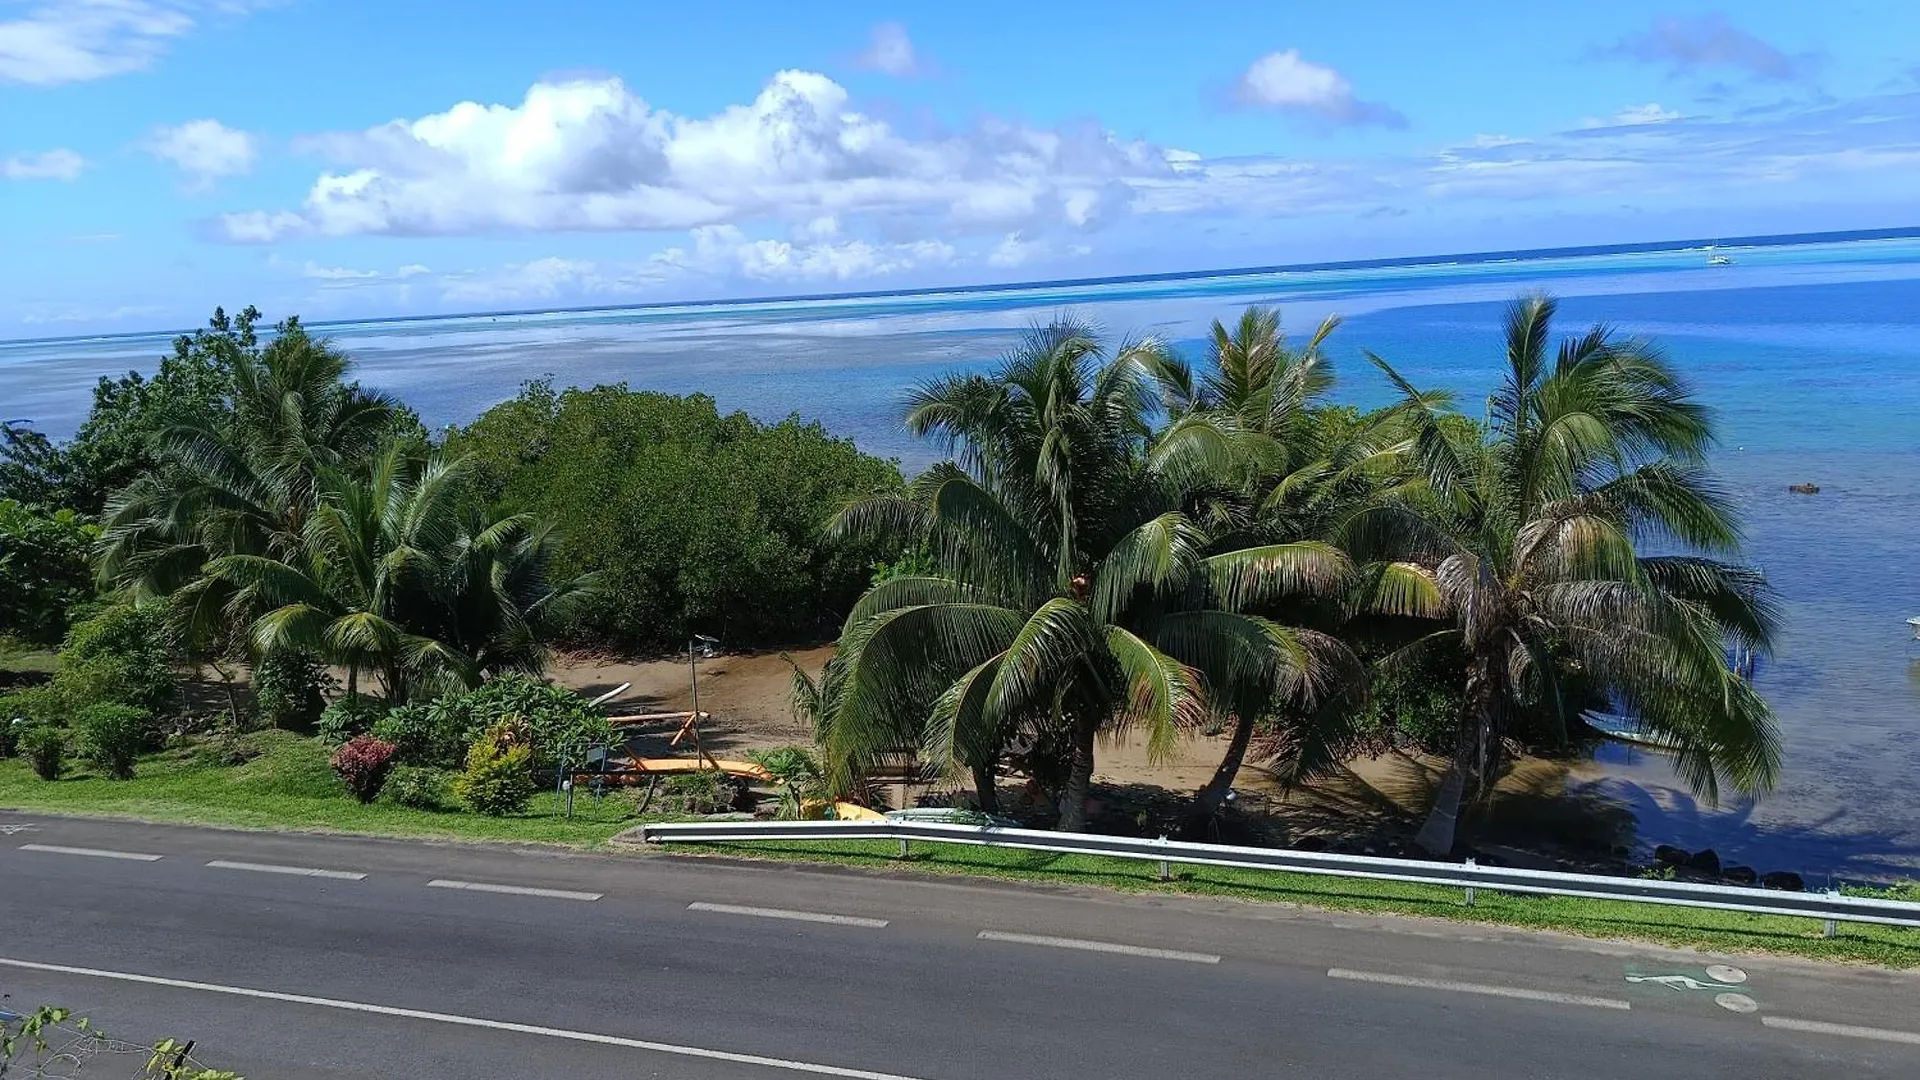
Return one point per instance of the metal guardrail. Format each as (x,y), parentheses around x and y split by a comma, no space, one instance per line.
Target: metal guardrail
(1830,907)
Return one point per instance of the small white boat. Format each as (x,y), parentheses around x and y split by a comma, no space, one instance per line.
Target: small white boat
(1719,260)
(1915,623)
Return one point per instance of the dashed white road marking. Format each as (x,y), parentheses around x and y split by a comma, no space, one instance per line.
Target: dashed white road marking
(782,913)
(1553,996)
(1848,1031)
(1099,946)
(97,853)
(296,871)
(514,890)
(465,1021)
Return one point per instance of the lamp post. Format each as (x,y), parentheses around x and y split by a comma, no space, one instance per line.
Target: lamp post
(705,645)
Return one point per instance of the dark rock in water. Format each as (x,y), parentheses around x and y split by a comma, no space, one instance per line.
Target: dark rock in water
(1785,880)
(1804,489)
(1668,855)
(1739,875)
(1707,861)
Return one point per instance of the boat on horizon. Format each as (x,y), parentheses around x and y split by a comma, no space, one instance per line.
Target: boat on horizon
(1714,258)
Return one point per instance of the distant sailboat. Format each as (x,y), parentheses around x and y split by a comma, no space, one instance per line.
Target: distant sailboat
(1716,259)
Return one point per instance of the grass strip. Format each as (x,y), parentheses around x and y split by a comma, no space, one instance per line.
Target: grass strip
(1699,928)
(291,786)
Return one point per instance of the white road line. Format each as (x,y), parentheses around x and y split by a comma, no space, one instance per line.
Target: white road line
(782,913)
(296,871)
(1478,988)
(97,853)
(1099,946)
(1850,1031)
(463,1021)
(515,890)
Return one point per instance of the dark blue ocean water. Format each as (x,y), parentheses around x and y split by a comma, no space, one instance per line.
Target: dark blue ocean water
(1810,355)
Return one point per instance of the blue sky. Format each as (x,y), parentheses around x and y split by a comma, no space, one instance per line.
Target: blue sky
(353,159)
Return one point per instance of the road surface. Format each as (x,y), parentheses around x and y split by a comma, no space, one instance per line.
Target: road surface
(294,957)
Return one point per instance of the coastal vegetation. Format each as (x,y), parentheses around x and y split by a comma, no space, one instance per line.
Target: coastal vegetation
(1120,540)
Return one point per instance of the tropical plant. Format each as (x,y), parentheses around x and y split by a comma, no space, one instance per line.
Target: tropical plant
(363,764)
(1075,594)
(498,779)
(1533,544)
(393,575)
(349,716)
(798,772)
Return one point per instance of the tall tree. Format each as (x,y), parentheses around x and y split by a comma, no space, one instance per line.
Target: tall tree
(1534,543)
(1074,593)
(1297,466)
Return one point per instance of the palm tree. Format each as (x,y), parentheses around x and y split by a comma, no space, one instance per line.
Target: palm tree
(1532,540)
(397,576)
(1074,593)
(1299,467)
(247,485)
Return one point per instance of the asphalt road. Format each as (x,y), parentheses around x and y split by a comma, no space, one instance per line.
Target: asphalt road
(624,966)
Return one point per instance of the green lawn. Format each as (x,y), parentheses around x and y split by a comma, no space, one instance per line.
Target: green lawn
(1686,927)
(289,786)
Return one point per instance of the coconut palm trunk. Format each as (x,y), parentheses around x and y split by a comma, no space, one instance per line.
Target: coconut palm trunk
(1213,797)
(984,790)
(1079,785)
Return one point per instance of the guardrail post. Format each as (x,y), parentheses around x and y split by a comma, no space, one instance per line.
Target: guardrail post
(1470,888)
(1166,872)
(903,847)
(1828,932)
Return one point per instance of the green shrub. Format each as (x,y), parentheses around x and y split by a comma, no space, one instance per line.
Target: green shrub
(432,734)
(349,716)
(556,720)
(498,779)
(289,689)
(122,653)
(689,516)
(45,748)
(112,736)
(708,791)
(34,705)
(418,787)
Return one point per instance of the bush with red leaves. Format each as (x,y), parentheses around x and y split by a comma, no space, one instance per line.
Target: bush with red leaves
(363,762)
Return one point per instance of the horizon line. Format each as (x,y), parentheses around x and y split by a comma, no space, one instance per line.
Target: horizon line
(1468,258)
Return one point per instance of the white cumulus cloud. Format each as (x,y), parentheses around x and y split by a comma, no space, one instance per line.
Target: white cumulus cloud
(890,51)
(1288,82)
(205,150)
(592,155)
(68,41)
(60,164)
